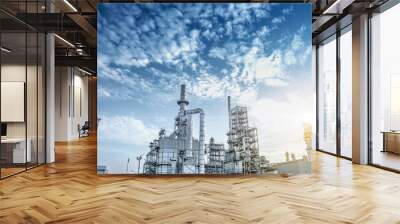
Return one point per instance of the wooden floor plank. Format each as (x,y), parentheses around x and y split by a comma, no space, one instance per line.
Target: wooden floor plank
(69,191)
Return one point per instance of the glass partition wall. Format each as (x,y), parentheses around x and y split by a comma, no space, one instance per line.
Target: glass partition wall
(345,61)
(334,71)
(22,77)
(385,89)
(327,95)
(334,95)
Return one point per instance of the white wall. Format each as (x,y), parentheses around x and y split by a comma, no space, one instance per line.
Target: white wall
(16,73)
(71,87)
(62,81)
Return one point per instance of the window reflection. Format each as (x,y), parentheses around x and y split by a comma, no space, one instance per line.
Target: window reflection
(346,93)
(386,89)
(327,96)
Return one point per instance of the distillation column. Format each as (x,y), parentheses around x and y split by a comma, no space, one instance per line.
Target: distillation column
(200,154)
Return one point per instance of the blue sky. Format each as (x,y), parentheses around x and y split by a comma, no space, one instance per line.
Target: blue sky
(260,54)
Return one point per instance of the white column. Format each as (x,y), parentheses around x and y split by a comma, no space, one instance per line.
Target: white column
(360,90)
(50,92)
(50,99)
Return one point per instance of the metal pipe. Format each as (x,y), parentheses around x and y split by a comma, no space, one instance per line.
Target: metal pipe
(200,154)
(230,123)
(229,113)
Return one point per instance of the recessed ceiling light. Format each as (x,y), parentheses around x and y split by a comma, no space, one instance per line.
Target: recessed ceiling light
(5,50)
(338,6)
(84,71)
(70,5)
(64,40)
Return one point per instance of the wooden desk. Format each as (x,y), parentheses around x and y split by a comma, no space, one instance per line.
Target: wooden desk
(13,150)
(391,141)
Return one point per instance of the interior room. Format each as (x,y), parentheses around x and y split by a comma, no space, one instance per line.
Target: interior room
(22,102)
(50,168)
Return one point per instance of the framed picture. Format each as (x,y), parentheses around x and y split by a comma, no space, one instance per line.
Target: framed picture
(202,88)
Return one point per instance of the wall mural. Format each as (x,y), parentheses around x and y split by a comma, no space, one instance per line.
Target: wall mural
(205,88)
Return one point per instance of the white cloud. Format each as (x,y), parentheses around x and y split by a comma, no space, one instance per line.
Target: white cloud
(305,55)
(217,52)
(290,57)
(260,69)
(297,42)
(285,133)
(124,77)
(102,92)
(228,27)
(241,31)
(209,86)
(128,60)
(205,23)
(179,44)
(288,10)
(261,13)
(297,52)
(244,96)
(126,129)
(277,20)
(276,82)
(263,31)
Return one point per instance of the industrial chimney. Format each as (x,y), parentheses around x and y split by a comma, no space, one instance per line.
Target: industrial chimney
(182,102)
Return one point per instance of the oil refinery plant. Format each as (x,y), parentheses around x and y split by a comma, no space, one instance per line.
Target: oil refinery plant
(182,153)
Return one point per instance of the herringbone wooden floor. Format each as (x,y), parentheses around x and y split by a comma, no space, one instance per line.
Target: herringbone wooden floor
(69,191)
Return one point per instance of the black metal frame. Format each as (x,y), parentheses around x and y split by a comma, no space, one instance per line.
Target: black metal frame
(338,98)
(36,164)
(317,98)
(369,90)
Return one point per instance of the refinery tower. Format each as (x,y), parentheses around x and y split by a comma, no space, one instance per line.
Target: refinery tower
(180,152)
(243,154)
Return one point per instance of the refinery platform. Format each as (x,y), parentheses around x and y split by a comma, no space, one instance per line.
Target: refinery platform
(182,153)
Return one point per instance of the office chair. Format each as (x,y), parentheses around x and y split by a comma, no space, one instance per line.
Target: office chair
(84,130)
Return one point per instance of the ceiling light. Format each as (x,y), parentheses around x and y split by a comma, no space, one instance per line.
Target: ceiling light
(70,5)
(5,50)
(64,40)
(84,71)
(338,6)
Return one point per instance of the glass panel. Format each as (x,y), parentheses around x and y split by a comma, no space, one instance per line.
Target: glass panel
(41,99)
(13,87)
(386,89)
(314,75)
(346,94)
(23,90)
(32,88)
(327,96)
(31,100)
